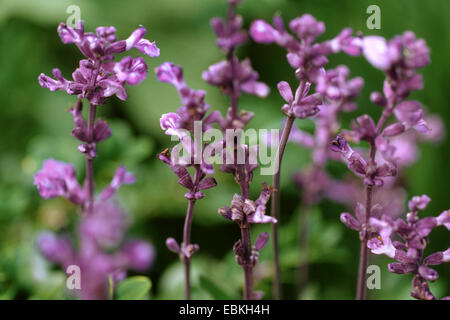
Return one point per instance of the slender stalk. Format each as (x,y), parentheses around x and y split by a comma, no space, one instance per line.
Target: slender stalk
(247,245)
(186,242)
(275,207)
(90,160)
(361,290)
(303,268)
(248,269)
(187,238)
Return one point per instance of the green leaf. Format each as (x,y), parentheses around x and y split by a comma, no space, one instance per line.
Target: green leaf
(213,289)
(133,288)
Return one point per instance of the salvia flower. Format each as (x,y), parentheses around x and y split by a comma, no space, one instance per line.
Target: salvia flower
(253,211)
(228,75)
(304,55)
(302,105)
(99,76)
(56,179)
(409,253)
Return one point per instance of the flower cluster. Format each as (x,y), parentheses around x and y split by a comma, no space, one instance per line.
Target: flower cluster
(99,76)
(254,211)
(409,253)
(58,178)
(304,55)
(232,76)
(181,124)
(244,211)
(102,251)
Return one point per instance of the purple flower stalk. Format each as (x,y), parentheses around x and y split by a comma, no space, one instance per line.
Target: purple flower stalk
(409,253)
(235,77)
(97,78)
(181,124)
(399,58)
(308,58)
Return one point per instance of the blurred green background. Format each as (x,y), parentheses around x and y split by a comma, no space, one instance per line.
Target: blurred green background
(35,125)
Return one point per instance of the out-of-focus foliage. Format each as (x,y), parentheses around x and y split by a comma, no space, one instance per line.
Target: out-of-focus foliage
(35,125)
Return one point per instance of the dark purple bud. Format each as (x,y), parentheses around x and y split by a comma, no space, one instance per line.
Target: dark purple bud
(285,91)
(378,98)
(101,131)
(434,259)
(400,268)
(263,32)
(225,212)
(386,170)
(207,183)
(394,129)
(428,273)
(199,195)
(340,144)
(172,245)
(261,241)
(350,221)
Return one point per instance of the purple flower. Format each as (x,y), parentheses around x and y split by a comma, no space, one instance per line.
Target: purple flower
(58,179)
(99,77)
(121,176)
(193,107)
(307,57)
(409,253)
(229,33)
(410,114)
(307,28)
(403,51)
(304,105)
(335,86)
(221,75)
(131,71)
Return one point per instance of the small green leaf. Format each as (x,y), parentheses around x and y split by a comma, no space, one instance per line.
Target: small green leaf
(133,288)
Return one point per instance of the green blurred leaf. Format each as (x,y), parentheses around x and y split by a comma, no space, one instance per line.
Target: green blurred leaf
(133,288)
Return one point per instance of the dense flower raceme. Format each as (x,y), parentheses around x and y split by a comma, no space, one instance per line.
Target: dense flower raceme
(181,124)
(401,80)
(232,76)
(409,254)
(243,211)
(102,252)
(99,76)
(307,57)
